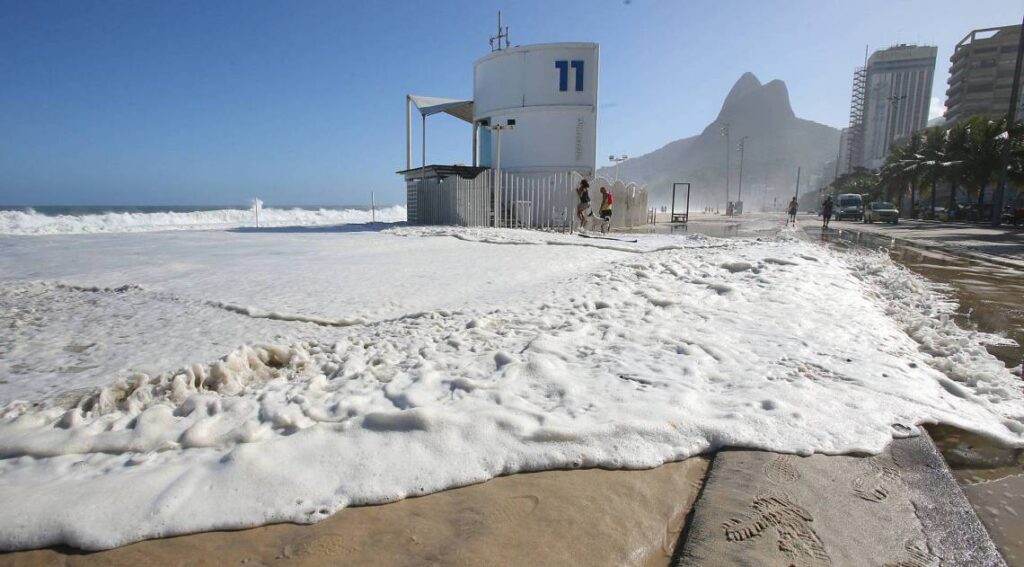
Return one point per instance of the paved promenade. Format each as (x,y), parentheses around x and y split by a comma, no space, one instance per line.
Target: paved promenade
(1003,244)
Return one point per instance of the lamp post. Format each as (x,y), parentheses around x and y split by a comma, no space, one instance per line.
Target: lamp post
(728,146)
(616,161)
(739,189)
(496,186)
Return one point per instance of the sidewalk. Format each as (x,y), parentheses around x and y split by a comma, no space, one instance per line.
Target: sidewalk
(1002,245)
(901,507)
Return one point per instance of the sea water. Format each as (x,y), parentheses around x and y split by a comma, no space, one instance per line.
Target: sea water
(79,219)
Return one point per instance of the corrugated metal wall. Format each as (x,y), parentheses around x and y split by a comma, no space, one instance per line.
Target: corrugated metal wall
(516,201)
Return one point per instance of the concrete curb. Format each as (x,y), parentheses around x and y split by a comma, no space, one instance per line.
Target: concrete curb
(902,507)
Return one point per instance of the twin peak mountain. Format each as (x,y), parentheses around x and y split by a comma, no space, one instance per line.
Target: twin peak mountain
(777,142)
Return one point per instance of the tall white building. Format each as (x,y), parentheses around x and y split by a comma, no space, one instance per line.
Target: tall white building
(893,98)
(981,74)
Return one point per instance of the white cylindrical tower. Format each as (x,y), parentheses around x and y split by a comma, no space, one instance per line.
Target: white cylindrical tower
(550,91)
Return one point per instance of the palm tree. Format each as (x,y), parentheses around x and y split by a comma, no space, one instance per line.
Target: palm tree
(955,149)
(891,175)
(860,180)
(914,167)
(934,160)
(903,167)
(982,156)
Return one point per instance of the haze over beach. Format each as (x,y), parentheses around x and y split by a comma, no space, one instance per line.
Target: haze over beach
(572,321)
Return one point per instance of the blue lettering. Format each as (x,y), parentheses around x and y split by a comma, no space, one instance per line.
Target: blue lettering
(578,67)
(563,75)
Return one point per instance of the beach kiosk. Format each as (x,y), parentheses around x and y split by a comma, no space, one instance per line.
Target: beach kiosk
(533,122)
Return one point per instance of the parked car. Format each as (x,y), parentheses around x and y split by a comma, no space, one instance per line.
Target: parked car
(849,206)
(1013,216)
(881,211)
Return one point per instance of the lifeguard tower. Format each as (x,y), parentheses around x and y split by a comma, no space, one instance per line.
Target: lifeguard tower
(533,121)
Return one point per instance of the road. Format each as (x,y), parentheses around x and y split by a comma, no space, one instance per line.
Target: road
(1003,244)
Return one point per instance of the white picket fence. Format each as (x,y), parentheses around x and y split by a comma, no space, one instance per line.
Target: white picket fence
(540,202)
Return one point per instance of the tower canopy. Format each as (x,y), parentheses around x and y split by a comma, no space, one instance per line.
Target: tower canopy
(427,105)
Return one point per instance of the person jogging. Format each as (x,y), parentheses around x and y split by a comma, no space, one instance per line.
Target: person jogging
(583,208)
(792,211)
(606,209)
(826,211)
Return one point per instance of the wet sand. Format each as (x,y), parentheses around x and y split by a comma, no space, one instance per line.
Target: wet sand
(580,517)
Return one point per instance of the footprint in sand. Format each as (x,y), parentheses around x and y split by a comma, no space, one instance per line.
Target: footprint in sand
(917,556)
(877,480)
(781,470)
(502,514)
(796,539)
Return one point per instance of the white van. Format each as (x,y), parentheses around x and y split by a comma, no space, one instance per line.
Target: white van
(848,206)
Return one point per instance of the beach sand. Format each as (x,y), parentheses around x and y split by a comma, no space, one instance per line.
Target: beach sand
(583,517)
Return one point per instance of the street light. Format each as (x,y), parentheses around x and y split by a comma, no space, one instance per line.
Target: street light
(510,124)
(728,146)
(739,196)
(616,161)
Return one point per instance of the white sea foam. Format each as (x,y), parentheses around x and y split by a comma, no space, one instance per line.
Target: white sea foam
(31,222)
(658,355)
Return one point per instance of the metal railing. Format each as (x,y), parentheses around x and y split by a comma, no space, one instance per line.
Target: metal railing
(545,202)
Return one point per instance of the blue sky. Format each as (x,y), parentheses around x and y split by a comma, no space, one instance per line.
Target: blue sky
(214,102)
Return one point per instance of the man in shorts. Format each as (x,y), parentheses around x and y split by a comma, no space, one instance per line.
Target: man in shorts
(606,209)
(826,211)
(583,208)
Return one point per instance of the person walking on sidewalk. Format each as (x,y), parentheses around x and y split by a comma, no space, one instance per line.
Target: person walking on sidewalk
(826,211)
(792,211)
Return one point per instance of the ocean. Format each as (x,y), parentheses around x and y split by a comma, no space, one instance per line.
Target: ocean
(85,219)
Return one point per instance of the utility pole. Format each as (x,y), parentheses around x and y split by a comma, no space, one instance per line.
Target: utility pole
(764,200)
(1011,118)
(836,176)
(728,150)
(739,196)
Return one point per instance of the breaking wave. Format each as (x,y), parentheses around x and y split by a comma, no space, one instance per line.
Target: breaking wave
(30,222)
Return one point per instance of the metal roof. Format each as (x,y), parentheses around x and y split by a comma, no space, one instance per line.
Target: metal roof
(427,105)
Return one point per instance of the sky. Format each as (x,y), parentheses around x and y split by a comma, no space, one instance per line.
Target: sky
(111,102)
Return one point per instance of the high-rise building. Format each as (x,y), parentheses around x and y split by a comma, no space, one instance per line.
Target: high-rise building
(844,151)
(981,74)
(891,95)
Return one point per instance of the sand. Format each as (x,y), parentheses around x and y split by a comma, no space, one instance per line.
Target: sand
(584,517)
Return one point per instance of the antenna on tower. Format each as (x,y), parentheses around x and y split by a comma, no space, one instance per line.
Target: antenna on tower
(502,34)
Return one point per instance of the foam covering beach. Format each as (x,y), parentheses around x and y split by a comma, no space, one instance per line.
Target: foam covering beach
(602,354)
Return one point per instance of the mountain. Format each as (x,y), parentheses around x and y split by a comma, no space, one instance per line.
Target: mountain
(777,142)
